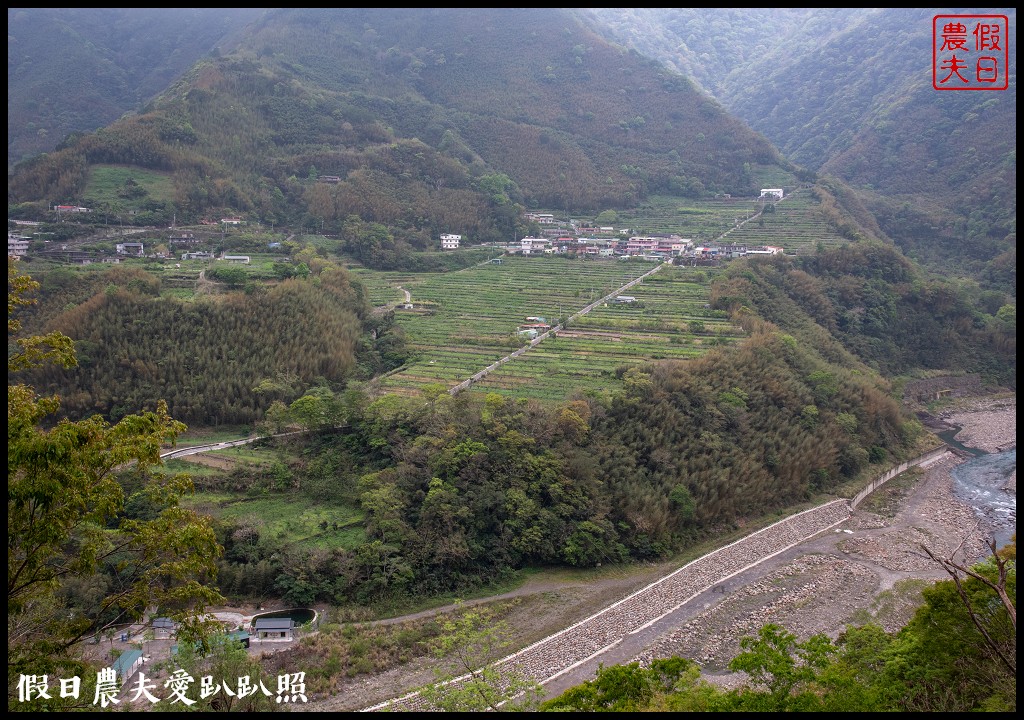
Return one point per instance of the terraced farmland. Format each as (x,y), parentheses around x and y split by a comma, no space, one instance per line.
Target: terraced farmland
(797,226)
(467,320)
(669,320)
(382,287)
(702,221)
(772,176)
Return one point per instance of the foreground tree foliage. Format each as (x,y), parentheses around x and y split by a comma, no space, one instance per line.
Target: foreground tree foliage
(76,563)
(948,658)
(469,641)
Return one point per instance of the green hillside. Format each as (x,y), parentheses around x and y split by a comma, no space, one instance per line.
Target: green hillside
(72,70)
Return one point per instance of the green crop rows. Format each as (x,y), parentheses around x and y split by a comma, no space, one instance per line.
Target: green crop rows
(797,226)
(465,321)
(669,320)
(382,287)
(702,221)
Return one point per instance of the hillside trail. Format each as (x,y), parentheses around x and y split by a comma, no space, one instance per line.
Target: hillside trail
(622,580)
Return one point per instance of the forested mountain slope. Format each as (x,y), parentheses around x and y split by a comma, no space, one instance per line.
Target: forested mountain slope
(848,91)
(78,69)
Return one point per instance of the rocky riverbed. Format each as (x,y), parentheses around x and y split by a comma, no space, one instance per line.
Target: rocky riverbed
(989,425)
(870,568)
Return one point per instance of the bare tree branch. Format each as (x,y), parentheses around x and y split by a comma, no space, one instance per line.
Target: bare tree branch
(959,570)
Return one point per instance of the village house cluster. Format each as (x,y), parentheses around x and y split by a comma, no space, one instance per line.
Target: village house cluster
(555,236)
(572,237)
(651,247)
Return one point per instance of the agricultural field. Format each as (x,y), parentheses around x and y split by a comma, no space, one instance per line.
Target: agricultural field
(796,225)
(382,288)
(702,221)
(670,319)
(290,520)
(282,514)
(772,176)
(180,279)
(466,320)
(462,322)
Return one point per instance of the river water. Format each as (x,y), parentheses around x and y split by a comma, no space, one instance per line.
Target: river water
(981,483)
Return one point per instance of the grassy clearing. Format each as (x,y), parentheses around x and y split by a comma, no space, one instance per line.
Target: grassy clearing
(175,466)
(290,521)
(106,180)
(244,455)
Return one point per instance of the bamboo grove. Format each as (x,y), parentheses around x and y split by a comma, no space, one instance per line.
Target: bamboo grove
(206,357)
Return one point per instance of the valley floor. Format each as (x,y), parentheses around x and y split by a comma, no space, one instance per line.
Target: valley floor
(871,566)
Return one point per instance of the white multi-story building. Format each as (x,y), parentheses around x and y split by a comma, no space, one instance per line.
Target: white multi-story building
(450,242)
(17,245)
(130,248)
(532,245)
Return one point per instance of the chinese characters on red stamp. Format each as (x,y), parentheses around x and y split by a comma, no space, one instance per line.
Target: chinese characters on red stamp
(970,52)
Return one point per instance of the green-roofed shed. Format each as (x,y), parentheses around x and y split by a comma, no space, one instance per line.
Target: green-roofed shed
(127,664)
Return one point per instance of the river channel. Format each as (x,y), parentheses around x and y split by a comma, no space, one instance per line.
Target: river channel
(987,482)
(984,483)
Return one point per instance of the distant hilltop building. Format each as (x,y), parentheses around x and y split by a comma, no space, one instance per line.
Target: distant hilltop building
(130,248)
(771,194)
(450,242)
